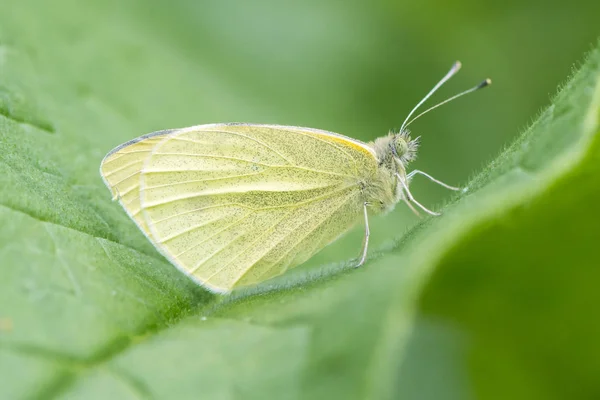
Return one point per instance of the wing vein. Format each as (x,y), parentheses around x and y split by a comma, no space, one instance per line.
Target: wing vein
(122,153)
(213,235)
(202,180)
(190,229)
(265,208)
(255,140)
(123,180)
(293,247)
(209,156)
(252,243)
(121,168)
(198,209)
(150,205)
(265,165)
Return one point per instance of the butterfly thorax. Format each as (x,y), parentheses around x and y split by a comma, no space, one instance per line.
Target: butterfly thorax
(393,153)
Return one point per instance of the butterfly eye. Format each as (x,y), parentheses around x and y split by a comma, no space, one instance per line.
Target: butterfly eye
(400,146)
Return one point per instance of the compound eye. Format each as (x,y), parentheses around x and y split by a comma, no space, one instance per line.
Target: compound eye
(400,146)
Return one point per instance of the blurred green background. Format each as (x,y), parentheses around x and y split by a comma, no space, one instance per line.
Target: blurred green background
(352,67)
(94,74)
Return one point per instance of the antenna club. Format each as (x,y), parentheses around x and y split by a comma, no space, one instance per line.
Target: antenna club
(483,84)
(457,65)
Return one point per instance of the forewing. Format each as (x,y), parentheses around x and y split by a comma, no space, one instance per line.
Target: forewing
(233,205)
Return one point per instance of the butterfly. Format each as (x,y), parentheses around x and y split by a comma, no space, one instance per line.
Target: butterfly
(235,204)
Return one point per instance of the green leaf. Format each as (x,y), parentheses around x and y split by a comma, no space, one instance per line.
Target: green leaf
(495,299)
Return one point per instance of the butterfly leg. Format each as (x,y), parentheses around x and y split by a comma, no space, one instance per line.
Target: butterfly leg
(363,256)
(412,199)
(412,208)
(431,178)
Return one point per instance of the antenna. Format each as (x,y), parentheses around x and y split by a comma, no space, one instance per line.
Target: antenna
(483,84)
(455,67)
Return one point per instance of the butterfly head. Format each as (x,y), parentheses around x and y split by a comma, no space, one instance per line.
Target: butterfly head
(396,150)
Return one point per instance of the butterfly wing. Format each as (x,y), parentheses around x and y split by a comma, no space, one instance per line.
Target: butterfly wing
(235,204)
(121,169)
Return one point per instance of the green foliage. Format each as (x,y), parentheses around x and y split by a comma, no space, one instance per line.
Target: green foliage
(495,299)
